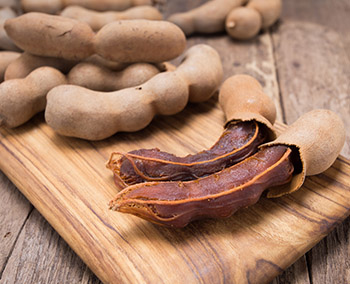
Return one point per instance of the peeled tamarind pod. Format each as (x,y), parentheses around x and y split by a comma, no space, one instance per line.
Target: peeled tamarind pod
(6,58)
(316,138)
(242,98)
(21,99)
(96,20)
(5,42)
(207,18)
(79,112)
(218,195)
(53,36)
(151,41)
(270,10)
(243,23)
(95,77)
(238,141)
(26,63)
(54,6)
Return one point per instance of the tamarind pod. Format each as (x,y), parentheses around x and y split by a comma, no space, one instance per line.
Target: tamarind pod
(21,99)
(215,196)
(5,42)
(95,77)
(270,10)
(54,6)
(6,58)
(26,63)
(53,36)
(241,97)
(151,41)
(207,18)
(243,23)
(316,138)
(202,69)
(238,141)
(96,20)
(111,65)
(79,112)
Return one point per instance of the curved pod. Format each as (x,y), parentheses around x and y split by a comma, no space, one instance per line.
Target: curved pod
(52,36)
(317,138)
(21,99)
(207,18)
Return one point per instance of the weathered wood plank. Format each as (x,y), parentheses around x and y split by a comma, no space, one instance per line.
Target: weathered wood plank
(14,209)
(312,47)
(42,256)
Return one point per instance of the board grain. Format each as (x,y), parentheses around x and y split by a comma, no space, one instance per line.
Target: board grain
(66,180)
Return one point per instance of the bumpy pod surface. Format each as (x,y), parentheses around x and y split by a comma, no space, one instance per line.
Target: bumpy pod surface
(317,138)
(79,112)
(21,99)
(207,18)
(96,20)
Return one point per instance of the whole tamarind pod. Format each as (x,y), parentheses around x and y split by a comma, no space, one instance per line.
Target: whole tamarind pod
(207,18)
(95,77)
(151,41)
(26,63)
(53,36)
(241,97)
(270,10)
(243,23)
(5,42)
(316,138)
(21,99)
(6,58)
(96,20)
(131,109)
(237,142)
(111,65)
(215,196)
(54,6)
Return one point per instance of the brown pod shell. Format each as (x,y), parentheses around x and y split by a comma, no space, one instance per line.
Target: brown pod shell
(207,18)
(202,69)
(270,10)
(26,63)
(242,98)
(96,20)
(53,36)
(6,58)
(243,23)
(151,41)
(317,137)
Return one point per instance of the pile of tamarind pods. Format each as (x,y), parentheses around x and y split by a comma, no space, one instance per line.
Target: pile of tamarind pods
(100,67)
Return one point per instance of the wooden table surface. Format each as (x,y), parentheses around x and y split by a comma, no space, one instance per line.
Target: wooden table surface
(303,62)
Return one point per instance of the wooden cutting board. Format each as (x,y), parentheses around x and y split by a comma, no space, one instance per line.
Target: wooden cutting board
(67,181)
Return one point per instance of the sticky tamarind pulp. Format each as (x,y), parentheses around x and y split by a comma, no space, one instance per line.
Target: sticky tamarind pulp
(218,195)
(238,141)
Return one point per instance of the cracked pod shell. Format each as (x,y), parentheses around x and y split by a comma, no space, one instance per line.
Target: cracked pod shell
(317,137)
(242,99)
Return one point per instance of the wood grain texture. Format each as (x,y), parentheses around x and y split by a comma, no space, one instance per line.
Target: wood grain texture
(312,51)
(13,214)
(67,182)
(38,245)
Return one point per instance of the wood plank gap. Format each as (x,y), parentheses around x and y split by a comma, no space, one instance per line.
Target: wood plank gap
(308,260)
(15,242)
